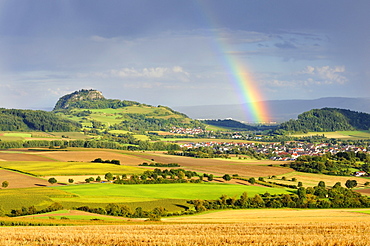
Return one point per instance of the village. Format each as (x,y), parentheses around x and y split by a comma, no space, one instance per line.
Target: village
(281,152)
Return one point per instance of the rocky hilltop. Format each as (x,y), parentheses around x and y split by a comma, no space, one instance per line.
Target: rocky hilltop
(70,100)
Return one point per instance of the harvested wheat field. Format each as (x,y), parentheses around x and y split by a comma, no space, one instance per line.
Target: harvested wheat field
(27,156)
(191,234)
(285,216)
(217,166)
(87,156)
(18,180)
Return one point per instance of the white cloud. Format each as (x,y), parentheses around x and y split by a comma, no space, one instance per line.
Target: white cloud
(326,74)
(175,72)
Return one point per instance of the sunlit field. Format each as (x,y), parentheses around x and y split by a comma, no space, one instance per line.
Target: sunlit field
(69,168)
(338,234)
(338,134)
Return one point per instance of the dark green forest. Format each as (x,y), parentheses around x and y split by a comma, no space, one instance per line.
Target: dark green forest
(233,124)
(328,119)
(35,120)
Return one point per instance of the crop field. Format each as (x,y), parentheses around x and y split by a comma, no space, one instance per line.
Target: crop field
(91,155)
(283,216)
(338,134)
(218,166)
(70,135)
(325,234)
(74,215)
(21,156)
(14,136)
(69,168)
(170,196)
(18,180)
(186,191)
(39,197)
(312,179)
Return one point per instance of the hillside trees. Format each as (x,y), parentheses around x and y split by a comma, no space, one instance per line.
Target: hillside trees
(328,119)
(37,120)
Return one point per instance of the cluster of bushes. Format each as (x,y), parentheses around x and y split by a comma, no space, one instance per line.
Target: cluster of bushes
(158,176)
(312,197)
(145,164)
(99,160)
(32,210)
(114,209)
(338,164)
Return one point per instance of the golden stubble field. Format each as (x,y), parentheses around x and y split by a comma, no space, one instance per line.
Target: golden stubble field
(299,231)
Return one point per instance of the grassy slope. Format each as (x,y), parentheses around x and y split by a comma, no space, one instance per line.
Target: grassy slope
(114,116)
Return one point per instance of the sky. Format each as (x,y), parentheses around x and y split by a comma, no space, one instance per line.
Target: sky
(183,52)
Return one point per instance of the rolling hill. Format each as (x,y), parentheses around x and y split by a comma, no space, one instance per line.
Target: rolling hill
(93,110)
(327,120)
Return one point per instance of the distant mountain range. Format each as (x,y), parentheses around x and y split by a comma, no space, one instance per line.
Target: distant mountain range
(280,110)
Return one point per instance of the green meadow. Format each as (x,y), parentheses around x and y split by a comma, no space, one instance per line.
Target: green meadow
(46,168)
(146,192)
(173,197)
(39,197)
(63,214)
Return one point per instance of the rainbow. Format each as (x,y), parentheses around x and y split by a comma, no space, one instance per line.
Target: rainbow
(249,94)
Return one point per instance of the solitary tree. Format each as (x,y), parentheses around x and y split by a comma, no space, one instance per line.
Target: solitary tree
(71,181)
(252,180)
(108,176)
(52,180)
(210,177)
(321,184)
(351,184)
(226,177)
(5,184)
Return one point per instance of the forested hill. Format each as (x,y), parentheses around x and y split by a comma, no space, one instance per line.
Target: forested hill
(328,119)
(36,120)
(89,99)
